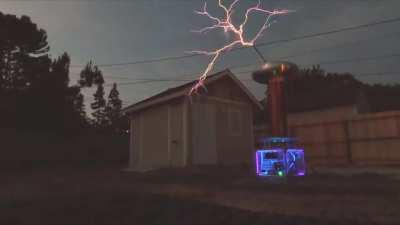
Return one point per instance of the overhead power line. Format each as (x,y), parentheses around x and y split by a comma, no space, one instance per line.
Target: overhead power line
(248,72)
(350,28)
(298,54)
(340,45)
(171,58)
(181,77)
(351,60)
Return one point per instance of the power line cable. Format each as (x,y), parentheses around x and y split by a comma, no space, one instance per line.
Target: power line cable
(350,28)
(250,71)
(170,58)
(301,53)
(340,45)
(351,60)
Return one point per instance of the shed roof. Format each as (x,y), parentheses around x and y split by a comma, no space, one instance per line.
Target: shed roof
(182,90)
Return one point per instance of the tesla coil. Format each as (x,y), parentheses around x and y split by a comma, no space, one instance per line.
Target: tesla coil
(279,155)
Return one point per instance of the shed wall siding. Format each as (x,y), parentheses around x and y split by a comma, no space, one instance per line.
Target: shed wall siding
(234,141)
(176,143)
(203,129)
(232,147)
(227,89)
(214,138)
(132,140)
(153,138)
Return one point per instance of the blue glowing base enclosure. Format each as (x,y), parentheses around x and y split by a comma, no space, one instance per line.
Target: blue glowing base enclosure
(280,162)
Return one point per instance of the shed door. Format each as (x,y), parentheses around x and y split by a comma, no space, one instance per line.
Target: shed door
(176,135)
(204,134)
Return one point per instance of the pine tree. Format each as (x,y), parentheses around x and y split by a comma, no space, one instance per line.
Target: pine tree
(99,108)
(23,62)
(75,103)
(64,103)
(23,53)
(114,106)
(90,75)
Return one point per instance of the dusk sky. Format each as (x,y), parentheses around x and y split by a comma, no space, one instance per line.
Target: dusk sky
(118,31)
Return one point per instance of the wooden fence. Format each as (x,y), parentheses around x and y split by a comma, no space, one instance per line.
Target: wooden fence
(370,139)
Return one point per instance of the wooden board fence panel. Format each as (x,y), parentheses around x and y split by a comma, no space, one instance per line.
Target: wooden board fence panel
(363,139)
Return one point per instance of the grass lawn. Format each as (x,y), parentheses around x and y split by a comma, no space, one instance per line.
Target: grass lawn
(103,194)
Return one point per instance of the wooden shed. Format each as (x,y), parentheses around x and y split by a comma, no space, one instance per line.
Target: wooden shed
(172,130)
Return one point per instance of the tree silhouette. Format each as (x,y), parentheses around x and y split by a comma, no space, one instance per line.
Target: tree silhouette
(114,106)
(383,97)
(55,104)
(23,52)
(90,75)
(34,89)
(75,102)
(99,108)
(23,62)
(315,89)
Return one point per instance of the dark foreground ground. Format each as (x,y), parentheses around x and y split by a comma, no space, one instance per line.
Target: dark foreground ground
(102,194)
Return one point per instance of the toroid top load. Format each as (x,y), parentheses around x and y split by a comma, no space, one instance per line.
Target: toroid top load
(272,69)
(274,74)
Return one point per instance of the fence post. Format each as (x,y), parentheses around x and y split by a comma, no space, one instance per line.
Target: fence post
(348,141)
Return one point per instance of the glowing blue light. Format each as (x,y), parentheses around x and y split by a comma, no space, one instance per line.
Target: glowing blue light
(279,139)
(270,162)
(257,161)
(295,161)
(280,162)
